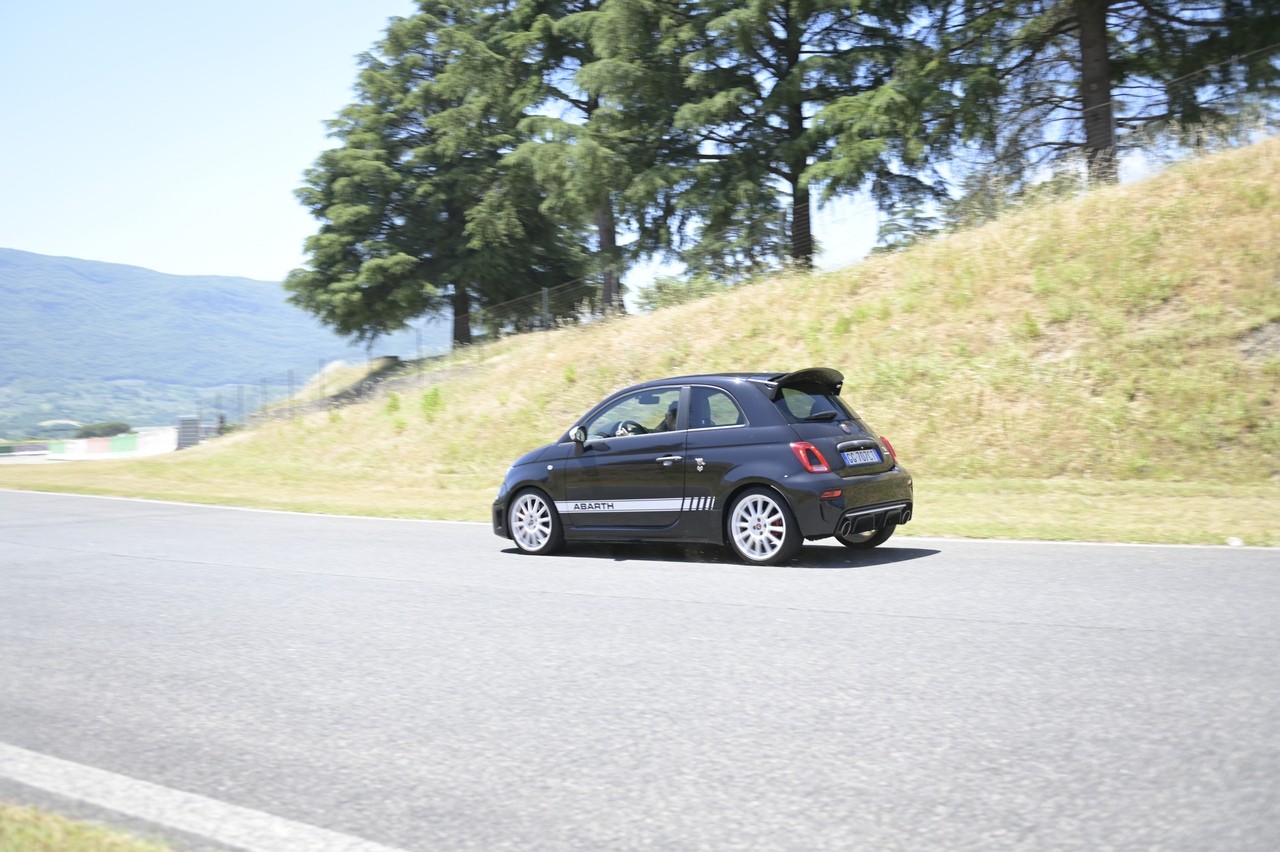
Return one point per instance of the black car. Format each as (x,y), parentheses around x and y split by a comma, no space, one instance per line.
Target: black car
(758,461)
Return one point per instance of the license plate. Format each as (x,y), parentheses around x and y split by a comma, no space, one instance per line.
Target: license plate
(861,456)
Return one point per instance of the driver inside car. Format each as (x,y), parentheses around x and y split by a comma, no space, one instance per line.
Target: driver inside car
(669,420)
(631,427)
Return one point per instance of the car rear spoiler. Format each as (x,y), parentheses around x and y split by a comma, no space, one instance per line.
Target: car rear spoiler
(832,380)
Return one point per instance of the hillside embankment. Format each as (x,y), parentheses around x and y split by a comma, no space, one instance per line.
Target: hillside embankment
(1106,368)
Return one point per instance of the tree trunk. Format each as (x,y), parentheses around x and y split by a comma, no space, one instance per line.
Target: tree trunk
(1095,91)
(801,229)
(607,232)
(461,316)
(801,225)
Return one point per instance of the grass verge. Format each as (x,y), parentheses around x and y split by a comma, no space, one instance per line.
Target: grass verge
(1093,510)
(28,830)
(1056,509)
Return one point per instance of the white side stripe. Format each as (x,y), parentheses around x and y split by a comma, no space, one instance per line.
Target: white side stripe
(659,504)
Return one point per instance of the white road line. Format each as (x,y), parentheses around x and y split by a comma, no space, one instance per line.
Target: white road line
(242,508)
(233,825)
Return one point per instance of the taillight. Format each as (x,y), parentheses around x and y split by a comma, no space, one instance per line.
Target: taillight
(888,447)
(810,457)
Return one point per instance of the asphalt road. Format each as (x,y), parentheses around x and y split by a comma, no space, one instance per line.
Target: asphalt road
(231,678)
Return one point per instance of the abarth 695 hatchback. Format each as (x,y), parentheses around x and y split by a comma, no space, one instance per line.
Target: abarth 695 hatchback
(758,461)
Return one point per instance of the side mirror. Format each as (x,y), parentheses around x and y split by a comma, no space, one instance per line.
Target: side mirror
(578,435)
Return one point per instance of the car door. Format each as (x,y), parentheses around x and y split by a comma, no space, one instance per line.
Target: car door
(719,441)
(629,474)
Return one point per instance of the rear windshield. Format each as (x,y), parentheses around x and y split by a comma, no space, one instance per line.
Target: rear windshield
(799,403)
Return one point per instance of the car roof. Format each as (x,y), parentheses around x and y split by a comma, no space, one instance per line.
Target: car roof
(712,376)
(772,379)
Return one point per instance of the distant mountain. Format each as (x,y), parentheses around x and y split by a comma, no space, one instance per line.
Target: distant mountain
(90,341)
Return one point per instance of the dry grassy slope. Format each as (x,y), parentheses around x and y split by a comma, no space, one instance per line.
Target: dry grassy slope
(1130,334)
(1105,336)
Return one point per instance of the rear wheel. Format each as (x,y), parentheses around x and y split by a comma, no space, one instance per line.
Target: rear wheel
(762,529)
(535,523)
(868,539)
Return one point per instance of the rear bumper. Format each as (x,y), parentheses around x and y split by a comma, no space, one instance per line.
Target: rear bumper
(865,503)
(870,518)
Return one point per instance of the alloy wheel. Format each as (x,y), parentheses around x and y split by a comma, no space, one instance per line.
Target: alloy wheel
(535,528)
(761,528)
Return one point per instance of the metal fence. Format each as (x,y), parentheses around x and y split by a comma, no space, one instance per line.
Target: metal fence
(568,304)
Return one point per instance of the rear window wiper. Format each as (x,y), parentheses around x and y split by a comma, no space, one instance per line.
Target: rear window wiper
(822,415)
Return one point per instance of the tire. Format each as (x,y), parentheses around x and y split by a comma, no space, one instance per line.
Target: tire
(761,528)
(867,540)
(534,523)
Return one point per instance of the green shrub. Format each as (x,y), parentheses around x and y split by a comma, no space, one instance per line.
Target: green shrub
(667,291)
(103,430)
(431,404)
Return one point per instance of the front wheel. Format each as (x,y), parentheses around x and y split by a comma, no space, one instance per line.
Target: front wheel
(762,529)
(868,539)
(535,523)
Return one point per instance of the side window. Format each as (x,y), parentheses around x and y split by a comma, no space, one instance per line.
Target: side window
(709,407)
(636,414)
(800,404)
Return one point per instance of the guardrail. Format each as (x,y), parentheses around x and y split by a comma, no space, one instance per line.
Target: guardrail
(20,449)
(150,442)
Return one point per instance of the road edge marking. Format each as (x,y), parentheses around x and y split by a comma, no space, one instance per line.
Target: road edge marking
(223,822)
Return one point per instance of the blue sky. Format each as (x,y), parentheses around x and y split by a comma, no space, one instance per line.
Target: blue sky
(172,135)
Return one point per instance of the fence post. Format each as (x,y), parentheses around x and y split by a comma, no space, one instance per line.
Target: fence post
(422,373)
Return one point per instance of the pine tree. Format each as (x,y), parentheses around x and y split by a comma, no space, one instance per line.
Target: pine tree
(761,72)
(1063,76)
(602,140)
(420,213)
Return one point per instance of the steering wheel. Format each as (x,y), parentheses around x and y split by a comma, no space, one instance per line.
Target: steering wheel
(630,427)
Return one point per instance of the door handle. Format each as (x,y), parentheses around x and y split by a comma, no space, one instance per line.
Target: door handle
(667,461)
